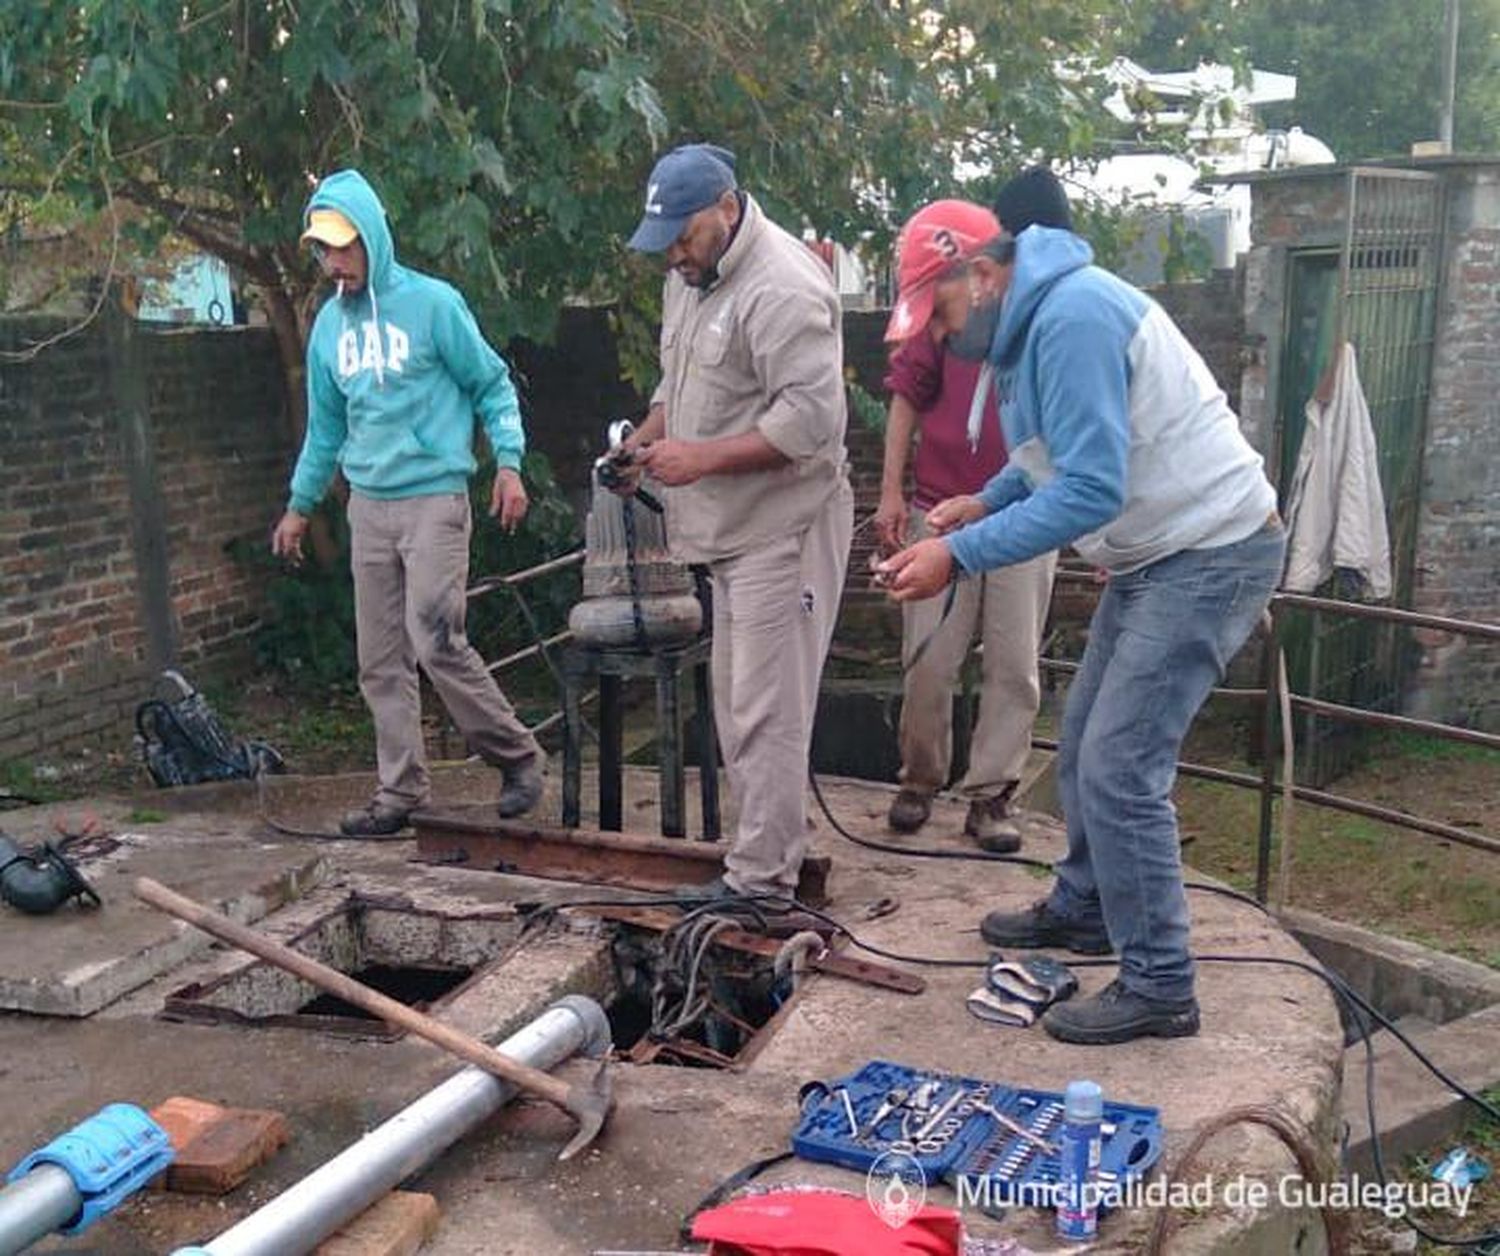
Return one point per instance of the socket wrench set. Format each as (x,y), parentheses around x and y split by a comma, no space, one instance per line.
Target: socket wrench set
(1000,1135)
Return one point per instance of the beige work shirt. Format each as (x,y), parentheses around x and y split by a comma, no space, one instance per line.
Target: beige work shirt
(762,350)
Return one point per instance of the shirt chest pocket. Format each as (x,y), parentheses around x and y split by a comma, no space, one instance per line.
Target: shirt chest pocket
(711,348)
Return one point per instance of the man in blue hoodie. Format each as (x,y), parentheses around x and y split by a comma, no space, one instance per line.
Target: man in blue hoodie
(1123,446)
(396,371)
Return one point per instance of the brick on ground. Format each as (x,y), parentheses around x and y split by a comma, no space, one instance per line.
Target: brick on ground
(216,1147)
(397,1224)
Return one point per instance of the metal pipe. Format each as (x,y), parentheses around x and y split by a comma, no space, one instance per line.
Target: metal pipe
(1450,73)
(308,1212)
(1361,610)
(32,1207)
(572,558)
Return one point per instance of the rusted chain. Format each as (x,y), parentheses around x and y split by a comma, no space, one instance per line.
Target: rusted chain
(1295,1141)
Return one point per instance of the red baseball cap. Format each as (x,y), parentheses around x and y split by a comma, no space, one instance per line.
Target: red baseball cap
(935,238)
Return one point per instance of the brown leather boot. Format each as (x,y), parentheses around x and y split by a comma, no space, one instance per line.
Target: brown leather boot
(909,810)
(991,827)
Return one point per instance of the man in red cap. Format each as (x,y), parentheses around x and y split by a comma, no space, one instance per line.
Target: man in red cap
(950,401)
(1121,445)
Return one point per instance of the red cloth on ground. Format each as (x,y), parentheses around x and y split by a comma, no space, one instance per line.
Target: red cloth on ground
(823,1223)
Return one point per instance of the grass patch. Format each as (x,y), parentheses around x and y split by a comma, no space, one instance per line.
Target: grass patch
(1429,749)
(1381,876)
(1480,1134)
(27,780)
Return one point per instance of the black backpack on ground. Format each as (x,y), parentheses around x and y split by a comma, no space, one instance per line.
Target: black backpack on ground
(182,742)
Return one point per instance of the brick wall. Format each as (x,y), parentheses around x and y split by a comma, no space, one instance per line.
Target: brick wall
(1457,569)
(116,507)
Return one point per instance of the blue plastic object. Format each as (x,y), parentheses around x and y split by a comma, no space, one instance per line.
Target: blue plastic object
(1461,1167)
(109,1157)
(1000,1167)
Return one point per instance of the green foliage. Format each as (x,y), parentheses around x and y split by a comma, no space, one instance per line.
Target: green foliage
(497,623)
(21,778)
(866,407)
(307,635)
(511,142)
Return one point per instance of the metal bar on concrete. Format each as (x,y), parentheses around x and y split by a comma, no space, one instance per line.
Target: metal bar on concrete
(296,1221)
(32,1207)
(472,837)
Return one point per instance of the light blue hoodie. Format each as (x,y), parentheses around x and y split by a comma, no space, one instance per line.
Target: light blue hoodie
(396,374)
(1120,442)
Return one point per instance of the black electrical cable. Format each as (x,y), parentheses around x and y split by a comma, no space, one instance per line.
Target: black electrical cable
(984,856)
(891,848)
(762,908)
(1353,1000)
(1347,996)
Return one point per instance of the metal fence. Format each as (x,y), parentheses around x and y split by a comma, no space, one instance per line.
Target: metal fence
(1284,609)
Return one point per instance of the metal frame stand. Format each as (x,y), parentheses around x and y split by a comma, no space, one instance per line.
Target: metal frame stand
(582,666)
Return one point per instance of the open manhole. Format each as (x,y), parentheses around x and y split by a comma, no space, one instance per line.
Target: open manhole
(682,998)
(418,957)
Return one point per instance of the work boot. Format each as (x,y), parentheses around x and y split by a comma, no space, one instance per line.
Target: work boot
(373,820)
(699,893)
(991,827)
(1116,1014)
(909,810)
(522,788)
(777,916)
(1040,926)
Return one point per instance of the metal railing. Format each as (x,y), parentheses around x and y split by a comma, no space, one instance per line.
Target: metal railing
(541,646)
(1269,695)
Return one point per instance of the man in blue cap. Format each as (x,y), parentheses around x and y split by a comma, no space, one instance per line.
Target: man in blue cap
(746,434)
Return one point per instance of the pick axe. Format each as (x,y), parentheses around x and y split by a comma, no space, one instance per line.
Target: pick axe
(589,1102)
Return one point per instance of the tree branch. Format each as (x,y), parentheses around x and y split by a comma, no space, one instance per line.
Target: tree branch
(193,224)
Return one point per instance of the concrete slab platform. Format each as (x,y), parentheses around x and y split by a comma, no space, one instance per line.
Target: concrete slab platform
(1270,1036)
(77,960)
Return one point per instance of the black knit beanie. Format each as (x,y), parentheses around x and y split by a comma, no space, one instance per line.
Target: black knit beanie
(1033,196)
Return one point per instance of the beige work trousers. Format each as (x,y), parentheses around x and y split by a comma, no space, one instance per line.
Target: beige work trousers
(774,614)
(411,566)
(1008,607)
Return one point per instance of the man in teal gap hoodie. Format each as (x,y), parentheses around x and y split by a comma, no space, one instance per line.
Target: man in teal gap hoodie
(396,370)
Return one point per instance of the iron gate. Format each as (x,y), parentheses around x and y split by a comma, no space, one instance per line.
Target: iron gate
(1379,292)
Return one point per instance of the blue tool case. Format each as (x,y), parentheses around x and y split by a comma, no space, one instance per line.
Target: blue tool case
(951,1136)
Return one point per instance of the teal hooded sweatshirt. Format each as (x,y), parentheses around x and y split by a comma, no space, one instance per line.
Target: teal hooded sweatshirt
(395,375)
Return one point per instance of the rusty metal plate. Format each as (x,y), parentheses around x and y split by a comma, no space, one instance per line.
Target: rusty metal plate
(473,837)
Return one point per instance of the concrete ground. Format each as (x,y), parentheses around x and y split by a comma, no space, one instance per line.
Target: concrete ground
(1270,1035)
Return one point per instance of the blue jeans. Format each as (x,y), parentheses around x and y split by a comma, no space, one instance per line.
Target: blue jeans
(1158,643)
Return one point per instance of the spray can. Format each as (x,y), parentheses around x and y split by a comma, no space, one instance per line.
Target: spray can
(1079,1150)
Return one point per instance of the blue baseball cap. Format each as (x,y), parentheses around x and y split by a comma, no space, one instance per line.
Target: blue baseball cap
(686,180)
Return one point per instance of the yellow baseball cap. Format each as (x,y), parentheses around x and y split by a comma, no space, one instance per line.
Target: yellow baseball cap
(328,226)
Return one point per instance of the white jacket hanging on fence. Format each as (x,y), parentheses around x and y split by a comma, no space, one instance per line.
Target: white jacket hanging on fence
(1336,515)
